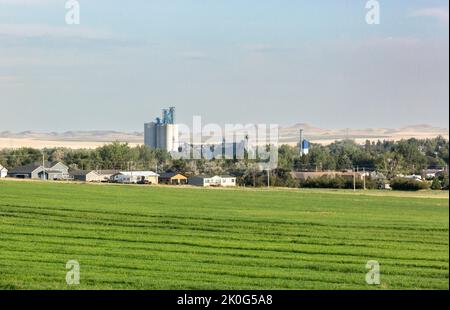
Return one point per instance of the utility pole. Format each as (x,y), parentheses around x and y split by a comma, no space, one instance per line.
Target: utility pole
(301,143)
(268,178)
(43,166)
(364,177)
(354,180)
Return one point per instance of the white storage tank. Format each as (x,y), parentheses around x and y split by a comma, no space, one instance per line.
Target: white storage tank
(172,137)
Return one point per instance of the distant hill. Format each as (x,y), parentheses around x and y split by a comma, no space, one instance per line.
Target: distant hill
(94,135)
(319,135)
(288,135)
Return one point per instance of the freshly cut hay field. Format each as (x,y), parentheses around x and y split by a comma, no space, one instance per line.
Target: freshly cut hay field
(143,237)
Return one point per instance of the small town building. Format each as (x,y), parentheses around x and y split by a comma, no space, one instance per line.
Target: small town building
(106,175)
(432,173)
(215,181)
(412,177)
(86,176)
(50,171)
(3,172)
(135,177)
(172,178)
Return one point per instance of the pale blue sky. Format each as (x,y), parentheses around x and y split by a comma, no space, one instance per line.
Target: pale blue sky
(229,61)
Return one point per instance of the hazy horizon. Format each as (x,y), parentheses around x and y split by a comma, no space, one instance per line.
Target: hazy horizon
(307,126)
(230,62)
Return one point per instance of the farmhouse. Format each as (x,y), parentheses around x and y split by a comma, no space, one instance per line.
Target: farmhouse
(106,174)
(207,181)
(173,178)
(135,177)
(93,175)
(86,176)
(50,171)
(3,172)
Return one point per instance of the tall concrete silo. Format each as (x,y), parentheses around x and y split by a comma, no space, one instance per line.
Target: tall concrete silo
(150,135)
(163,134)
(172,137)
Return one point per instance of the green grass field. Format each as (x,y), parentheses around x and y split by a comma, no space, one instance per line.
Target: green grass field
(143,237)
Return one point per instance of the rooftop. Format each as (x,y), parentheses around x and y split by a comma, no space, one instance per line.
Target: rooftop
(139,173)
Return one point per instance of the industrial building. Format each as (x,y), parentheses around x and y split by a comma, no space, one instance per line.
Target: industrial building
(228,150)
(162,133)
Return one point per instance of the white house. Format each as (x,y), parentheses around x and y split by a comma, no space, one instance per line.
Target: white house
(431,173)
(134,177)
(3,171)
(413,177)
(86,176)
(217,180)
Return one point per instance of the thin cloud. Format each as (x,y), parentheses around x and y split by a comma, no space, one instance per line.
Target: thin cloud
(25,2)
(42,30)
(259,48)
(441,14)
(194,55)
(9,79)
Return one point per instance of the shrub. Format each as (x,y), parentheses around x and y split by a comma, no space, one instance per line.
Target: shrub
(403,184)
(337,183)
(436,185)
(444,181)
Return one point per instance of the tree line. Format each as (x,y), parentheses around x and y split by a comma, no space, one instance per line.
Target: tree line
(388,158)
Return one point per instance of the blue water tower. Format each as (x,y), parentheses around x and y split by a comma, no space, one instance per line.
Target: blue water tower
(305,147)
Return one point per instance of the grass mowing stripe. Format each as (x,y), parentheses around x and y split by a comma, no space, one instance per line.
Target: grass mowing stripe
(330,235)
(380,244)
(332,278)
(145,255)
(306,249)
(236,239)
(252,256)
(230,221)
